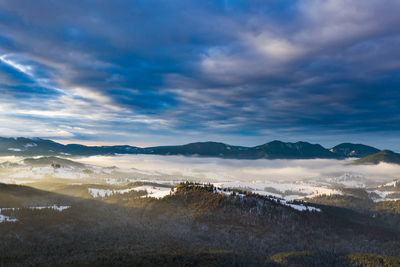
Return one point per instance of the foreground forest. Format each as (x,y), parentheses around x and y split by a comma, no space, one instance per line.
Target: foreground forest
(196,225)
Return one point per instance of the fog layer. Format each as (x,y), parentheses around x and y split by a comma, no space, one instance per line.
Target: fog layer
(247,170)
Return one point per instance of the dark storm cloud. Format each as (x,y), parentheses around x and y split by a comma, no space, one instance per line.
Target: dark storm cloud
(203,68)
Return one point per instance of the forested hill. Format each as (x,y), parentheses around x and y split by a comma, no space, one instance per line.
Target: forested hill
(195,225)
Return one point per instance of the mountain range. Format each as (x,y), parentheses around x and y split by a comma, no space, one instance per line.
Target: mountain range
(21,146)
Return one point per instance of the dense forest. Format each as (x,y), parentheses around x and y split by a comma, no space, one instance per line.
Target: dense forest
(193,225)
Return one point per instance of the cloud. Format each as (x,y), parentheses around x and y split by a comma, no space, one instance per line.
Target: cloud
(205,69)
(213,169)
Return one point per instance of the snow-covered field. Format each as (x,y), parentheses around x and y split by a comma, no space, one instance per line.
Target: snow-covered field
(152,191)
(155,191)
(299,207)
(289,191)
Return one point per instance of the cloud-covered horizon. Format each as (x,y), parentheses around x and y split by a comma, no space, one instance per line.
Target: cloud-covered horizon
(165,72)
(278,170)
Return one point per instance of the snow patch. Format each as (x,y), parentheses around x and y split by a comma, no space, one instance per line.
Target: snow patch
(382,195)
(95,192)
(227,192)
(4,218)
(27,145)
(288,191)
(53,207)
(299,207)
(155,191)
(152,191)
(393,183)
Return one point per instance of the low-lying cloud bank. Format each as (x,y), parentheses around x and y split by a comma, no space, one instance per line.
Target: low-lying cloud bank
(211,169)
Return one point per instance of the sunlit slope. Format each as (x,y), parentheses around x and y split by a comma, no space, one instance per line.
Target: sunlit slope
(289,179)
(21,196)
(386,156)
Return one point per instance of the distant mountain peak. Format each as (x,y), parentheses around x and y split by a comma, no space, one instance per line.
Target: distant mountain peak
(303,150)
(353,150)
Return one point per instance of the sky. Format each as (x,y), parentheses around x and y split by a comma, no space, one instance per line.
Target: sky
(151,72)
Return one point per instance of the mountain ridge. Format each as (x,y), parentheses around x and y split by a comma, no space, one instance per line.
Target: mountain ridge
(354,150)
(22,146)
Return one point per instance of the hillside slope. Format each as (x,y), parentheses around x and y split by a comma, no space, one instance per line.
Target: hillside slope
(386,156)
(199,225)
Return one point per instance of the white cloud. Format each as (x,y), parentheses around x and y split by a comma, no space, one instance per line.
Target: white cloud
(13,63)
(272,47)
(248,170)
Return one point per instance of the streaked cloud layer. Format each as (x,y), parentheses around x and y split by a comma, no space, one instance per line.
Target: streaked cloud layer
(174,71)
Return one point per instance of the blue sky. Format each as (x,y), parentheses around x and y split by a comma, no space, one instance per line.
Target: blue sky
(170,72)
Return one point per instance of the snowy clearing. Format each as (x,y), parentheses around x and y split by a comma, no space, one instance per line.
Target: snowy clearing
(152,191)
